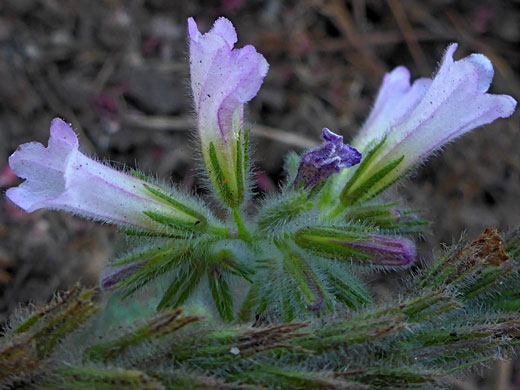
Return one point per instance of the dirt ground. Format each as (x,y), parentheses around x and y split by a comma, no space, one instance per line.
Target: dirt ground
(118,71)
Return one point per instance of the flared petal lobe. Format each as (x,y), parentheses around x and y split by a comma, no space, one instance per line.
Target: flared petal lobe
(456,102)
(61,177)
(395,100)
(223,79)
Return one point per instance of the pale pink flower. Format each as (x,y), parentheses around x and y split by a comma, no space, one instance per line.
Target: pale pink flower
(223,79)
(419,119)
(61,177)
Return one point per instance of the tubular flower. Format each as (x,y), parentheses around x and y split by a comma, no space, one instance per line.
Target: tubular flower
(319,163)
(222,80)
(61,177)
(409,122)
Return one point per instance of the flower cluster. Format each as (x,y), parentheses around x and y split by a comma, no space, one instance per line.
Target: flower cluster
(301,250)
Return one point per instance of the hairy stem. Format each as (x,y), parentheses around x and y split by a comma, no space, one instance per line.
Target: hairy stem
(243,232)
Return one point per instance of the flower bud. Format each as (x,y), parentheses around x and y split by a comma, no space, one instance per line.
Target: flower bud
(361,248)
(319,163)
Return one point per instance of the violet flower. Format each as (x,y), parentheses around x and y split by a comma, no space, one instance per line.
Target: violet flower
(60,177)
(222,80)
(419,119)
(319,163)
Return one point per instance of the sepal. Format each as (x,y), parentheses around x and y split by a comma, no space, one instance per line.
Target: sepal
(387,217)
(309,285)
(365,185)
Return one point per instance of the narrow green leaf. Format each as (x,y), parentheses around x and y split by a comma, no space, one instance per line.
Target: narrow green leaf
(276,377)
(239,171)
(246,311)
(52,331)
(55,305)
(137,233)
(347,288)
(176,204)
(307,282)
(362,192)
(221,182)
(330,242)
(488,280)
(141,176)
(172,222)
(93,378)
(246,149)
(221,293)
(364,165)
(156,327)
(227,260)
(181,288)
(145,255)
(153,268)
(283,212)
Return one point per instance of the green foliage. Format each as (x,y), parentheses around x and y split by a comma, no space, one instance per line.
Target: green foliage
(92,378)
(154,328)
(222,186)
(387,217)
(431,330)
(275,296)
(287,254)
(26,348)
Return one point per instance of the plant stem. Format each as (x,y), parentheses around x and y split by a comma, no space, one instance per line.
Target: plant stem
(219,231)
(243,233)
(335,212)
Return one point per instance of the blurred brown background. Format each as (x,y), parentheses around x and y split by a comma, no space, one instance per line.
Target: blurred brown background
(118,71)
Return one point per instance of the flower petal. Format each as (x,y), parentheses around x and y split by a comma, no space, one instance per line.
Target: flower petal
(42,167)
(395,100)
(454,104)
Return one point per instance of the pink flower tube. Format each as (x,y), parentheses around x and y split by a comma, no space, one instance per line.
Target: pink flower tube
(61,177)
(418,119)
(223,79)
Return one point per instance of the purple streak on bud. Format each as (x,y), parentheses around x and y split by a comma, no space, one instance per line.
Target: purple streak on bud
(319,163)
(397,214)
(384,251)
(111,279)
(60,177)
